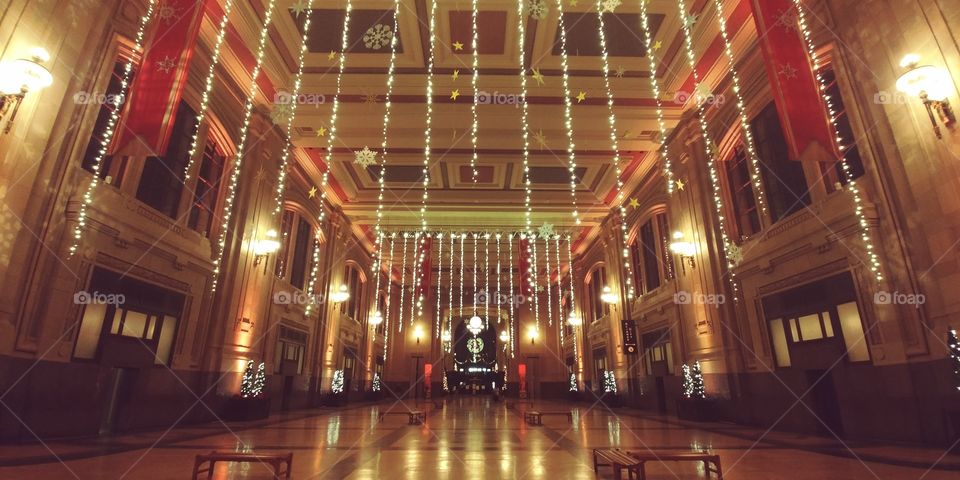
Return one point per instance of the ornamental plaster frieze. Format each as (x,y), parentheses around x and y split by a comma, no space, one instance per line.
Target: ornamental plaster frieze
(133,270)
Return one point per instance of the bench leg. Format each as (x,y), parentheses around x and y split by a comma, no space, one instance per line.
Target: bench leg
(617,472)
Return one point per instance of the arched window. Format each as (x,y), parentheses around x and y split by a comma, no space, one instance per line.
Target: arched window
(595,283)
(207,191)
(298,239)
(652,262)
(354,281)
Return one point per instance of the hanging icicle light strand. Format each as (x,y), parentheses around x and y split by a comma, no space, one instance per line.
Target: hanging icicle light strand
(386,313)
(403,283)
(107,137)
(453,237)
(573,303)
(513,345)
(335,109)
(655,88)
(546,255)
(208,88)
(742,112)
(711,154)
(241,146)
(429,128)
(474,82)
(288,146)
(524,117)
(875,266)
(619,200)
(568,113)
(436,328)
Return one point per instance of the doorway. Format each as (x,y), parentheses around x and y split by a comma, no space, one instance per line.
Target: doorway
(823,402)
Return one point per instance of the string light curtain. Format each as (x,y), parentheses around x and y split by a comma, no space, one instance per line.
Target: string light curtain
(568,114)
(651,52)
(474,83)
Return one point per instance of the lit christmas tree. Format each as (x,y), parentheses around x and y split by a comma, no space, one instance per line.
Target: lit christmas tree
(953,342)
(337,385)
(376,382)
(446,388)
(696,382)
(573,382)
(609,382)
(687,381)
(247,384)
(259,381)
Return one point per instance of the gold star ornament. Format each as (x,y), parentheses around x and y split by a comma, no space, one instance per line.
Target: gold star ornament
(634,203)
(455,94)
(581,97)
(313,192)
(680,184)
(457,46)
(456,74)
(537,76)
(322,132)
(620,71)
(541,139)
(332,55)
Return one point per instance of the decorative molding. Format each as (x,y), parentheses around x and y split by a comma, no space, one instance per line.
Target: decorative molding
(807,276)
(149,214)
(130,269)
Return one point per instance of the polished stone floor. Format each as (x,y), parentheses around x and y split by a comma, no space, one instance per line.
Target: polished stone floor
(470,438)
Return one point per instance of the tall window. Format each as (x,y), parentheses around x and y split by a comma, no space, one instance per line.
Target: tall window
(648,252)
(161,183)
(598,308)
(298,239)
(354,283)
(663,235)
(783,178)
(202,212)
(113,104)
(742,200)
(850,148)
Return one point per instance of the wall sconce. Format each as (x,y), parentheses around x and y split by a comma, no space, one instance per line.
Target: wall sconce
(607,296)
(377,318)
(933,85)
(684,249)
(265,246)
(573,320)
(504,336)
(534,333)
(19,77)
(418,333)
(341,295)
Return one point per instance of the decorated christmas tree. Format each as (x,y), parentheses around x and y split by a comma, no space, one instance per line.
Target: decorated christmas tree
(260,380)
(573,382)
(609,382)
(687,381)
(247,383)
(446,388)
(376,382)
(337,385)
(696,382)
(953,342)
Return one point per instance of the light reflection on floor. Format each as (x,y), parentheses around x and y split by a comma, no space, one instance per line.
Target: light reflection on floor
(469,438)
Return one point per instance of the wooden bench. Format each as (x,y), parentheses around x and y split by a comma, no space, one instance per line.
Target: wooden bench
(619,461)
(711,462)
(438,404)
(512,405)
(569,415)
(533,417)
(414,417)
(275,460)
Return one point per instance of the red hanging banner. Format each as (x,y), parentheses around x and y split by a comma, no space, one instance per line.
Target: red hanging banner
(157,89)
(795,88)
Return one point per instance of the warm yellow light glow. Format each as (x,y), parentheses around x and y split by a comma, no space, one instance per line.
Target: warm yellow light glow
(680,246)
(266,245)
(341,295)
(504,336)
(919,80)
(377,318)
(24,75)
(608,296)
(573,320)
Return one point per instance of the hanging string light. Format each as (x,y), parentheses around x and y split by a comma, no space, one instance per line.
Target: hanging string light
(533,270)
(437,314)
(288,146)
(335,108)
(711,155)
(742,112)
(463,239)
(391,71)
(513,345)
(403,282)
(499,297)
(107,138)
(415,298)
(573,303)
(486,279)
(208,87)
(524,115)
(386,313)
(546,255)
(655,88)
(568,113)
(429,128)
(241,146)
(453,237)
(560,316)
(852,187)
(615,147)
(325,177)
(377,273)
(474,82)
(473,285)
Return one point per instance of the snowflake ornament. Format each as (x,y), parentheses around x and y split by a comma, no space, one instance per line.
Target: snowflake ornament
(546,230)
(167,13)
(377,36)
(365,158)
(281,113)
(608,6)
(734,254)
(166,64)
(298,7)
(538,9)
